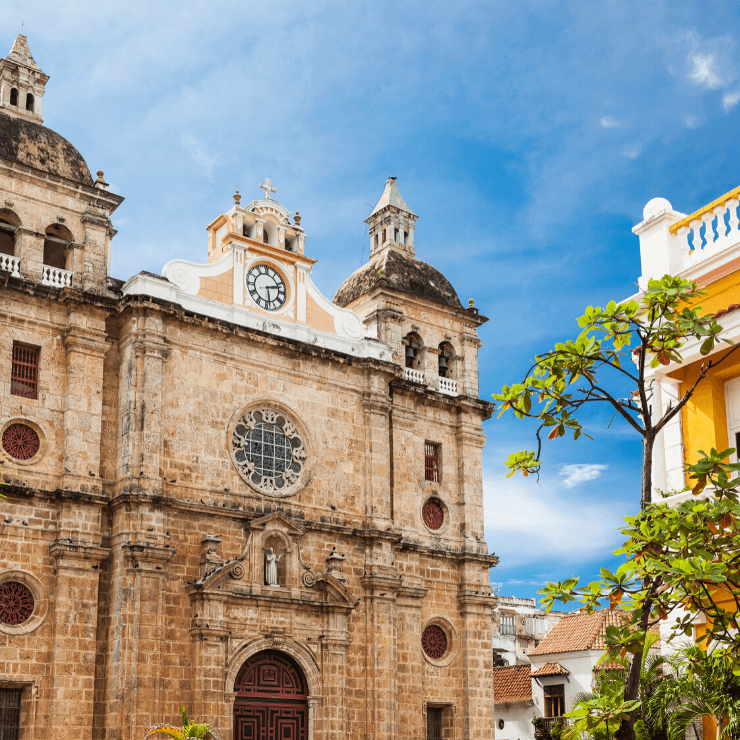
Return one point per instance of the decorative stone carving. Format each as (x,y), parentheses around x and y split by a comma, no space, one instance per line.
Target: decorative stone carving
(334,565)
(268,450)
(271,570)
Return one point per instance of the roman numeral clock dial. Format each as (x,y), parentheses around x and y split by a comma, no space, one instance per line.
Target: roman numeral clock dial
(266,287)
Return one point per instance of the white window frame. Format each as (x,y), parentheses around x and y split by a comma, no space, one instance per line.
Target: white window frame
(732,410)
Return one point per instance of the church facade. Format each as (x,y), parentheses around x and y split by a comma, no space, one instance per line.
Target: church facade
(225,490)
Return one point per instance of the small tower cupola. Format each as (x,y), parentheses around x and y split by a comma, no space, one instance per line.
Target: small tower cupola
(22,83)
(391,223)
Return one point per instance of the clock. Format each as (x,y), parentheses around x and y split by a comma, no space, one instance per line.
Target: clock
(266,287)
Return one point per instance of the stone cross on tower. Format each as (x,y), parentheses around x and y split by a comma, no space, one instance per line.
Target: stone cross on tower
(267,187)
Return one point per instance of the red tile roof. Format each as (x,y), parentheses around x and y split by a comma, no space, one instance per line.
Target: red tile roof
(580,631)
(512,683)
(551,669)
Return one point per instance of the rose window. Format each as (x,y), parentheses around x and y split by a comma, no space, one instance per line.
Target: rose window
(433,514)
(16,603)
(434,642)
(268,450)
(21,442)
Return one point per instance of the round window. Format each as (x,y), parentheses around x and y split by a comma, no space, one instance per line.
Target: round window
(268,450)
(433,514)
(434,642)
(21,442)
(501,724)
(16,603)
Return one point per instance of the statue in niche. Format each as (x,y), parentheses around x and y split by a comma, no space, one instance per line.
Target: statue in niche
(271,567)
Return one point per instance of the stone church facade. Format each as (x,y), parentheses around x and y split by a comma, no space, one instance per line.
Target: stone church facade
(223,489)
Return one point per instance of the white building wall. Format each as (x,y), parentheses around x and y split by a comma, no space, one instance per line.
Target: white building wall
(517,719)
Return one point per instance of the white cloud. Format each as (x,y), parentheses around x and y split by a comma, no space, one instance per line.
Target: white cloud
(730,100)
(632,153)
(705,71)
(527,522)
(609,122)
(708,63)
(580,473)
(199,155)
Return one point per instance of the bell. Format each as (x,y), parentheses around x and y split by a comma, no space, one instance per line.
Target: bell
(442,362)
(410,354)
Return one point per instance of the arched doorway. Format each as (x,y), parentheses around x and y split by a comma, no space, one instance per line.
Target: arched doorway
(271,699)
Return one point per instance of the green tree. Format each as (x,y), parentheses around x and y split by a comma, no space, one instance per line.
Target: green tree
(675,557)
(697,685)
(188,729)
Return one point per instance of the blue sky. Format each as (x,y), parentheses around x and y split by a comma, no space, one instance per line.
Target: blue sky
(528,136)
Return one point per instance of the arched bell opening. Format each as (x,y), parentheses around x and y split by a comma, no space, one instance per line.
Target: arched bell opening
(57,242)
(9,225)
(445,362)
(412,350)
(29,102)
(271,698)
(14,96)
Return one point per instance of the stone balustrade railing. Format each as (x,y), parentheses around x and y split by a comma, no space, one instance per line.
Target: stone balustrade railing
(56,277)
(448,386)
(415,376)
(10,264)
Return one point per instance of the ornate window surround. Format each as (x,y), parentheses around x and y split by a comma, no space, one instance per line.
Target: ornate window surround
(291,415)
(445,512)
(40,606)
(452,642)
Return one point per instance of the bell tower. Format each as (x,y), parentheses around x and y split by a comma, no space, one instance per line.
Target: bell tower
(22,83)
(391,223)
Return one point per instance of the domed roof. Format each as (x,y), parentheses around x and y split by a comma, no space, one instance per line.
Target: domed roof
(36,146)
(402,273)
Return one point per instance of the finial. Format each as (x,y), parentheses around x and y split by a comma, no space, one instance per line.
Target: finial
(100,173)
(267,187)
(297,218)
(471,302)
(237,198)
(100,182)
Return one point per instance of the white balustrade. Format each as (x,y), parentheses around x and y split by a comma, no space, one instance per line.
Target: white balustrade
(56,277)
(415,376)
(448,386)
(10,264)
(718,235)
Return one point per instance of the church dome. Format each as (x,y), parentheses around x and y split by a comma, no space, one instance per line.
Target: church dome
(402,273)
(29,143)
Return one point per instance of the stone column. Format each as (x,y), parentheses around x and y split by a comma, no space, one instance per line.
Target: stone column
(30,249)
(75,636)
(470,442)
(410,668)
(376,407)
(477,717)
(334,671)
(85,344)
(96,254)
(381,659)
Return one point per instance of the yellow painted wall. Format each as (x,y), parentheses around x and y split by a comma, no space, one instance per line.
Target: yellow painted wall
(317,317)
(219,288)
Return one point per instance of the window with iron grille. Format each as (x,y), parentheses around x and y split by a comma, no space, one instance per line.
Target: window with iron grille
(434,723)
(24,375)
(508,626)
(431,462)
(10,713)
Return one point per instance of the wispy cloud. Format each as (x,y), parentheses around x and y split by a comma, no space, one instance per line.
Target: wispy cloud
(730,100)
(609,122)
(631,152)
(199,155)
(580,473)
(705,71)
(709,62)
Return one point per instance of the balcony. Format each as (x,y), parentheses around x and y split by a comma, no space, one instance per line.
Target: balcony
(10,264)
(56,277)
(447,386)
(415,376)
(543,726)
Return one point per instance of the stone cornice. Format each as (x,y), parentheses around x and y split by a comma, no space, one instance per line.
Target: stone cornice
(69,553)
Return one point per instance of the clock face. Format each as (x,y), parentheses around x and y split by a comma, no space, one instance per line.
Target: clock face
(266,287)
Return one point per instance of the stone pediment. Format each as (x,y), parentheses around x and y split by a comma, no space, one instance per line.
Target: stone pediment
(280,521)
(335,591)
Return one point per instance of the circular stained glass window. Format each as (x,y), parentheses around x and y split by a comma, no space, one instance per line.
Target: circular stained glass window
(268,450)
(434,642)
(21,442)
(16,603)
(433,514)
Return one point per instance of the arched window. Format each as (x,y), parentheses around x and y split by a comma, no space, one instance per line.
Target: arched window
(9,224)
(288,245)
(14,96)
(29,102)
(245,230)
(56,246)
(412,350)
(265,236)
(446,353)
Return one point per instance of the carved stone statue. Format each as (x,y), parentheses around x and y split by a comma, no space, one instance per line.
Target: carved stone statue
(271,561)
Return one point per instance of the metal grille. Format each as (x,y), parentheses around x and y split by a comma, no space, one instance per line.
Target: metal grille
(25,372)
(434,723)
(10,713)
(434,642)
(431,462)
(16,603)
(433,514)
(21,442)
